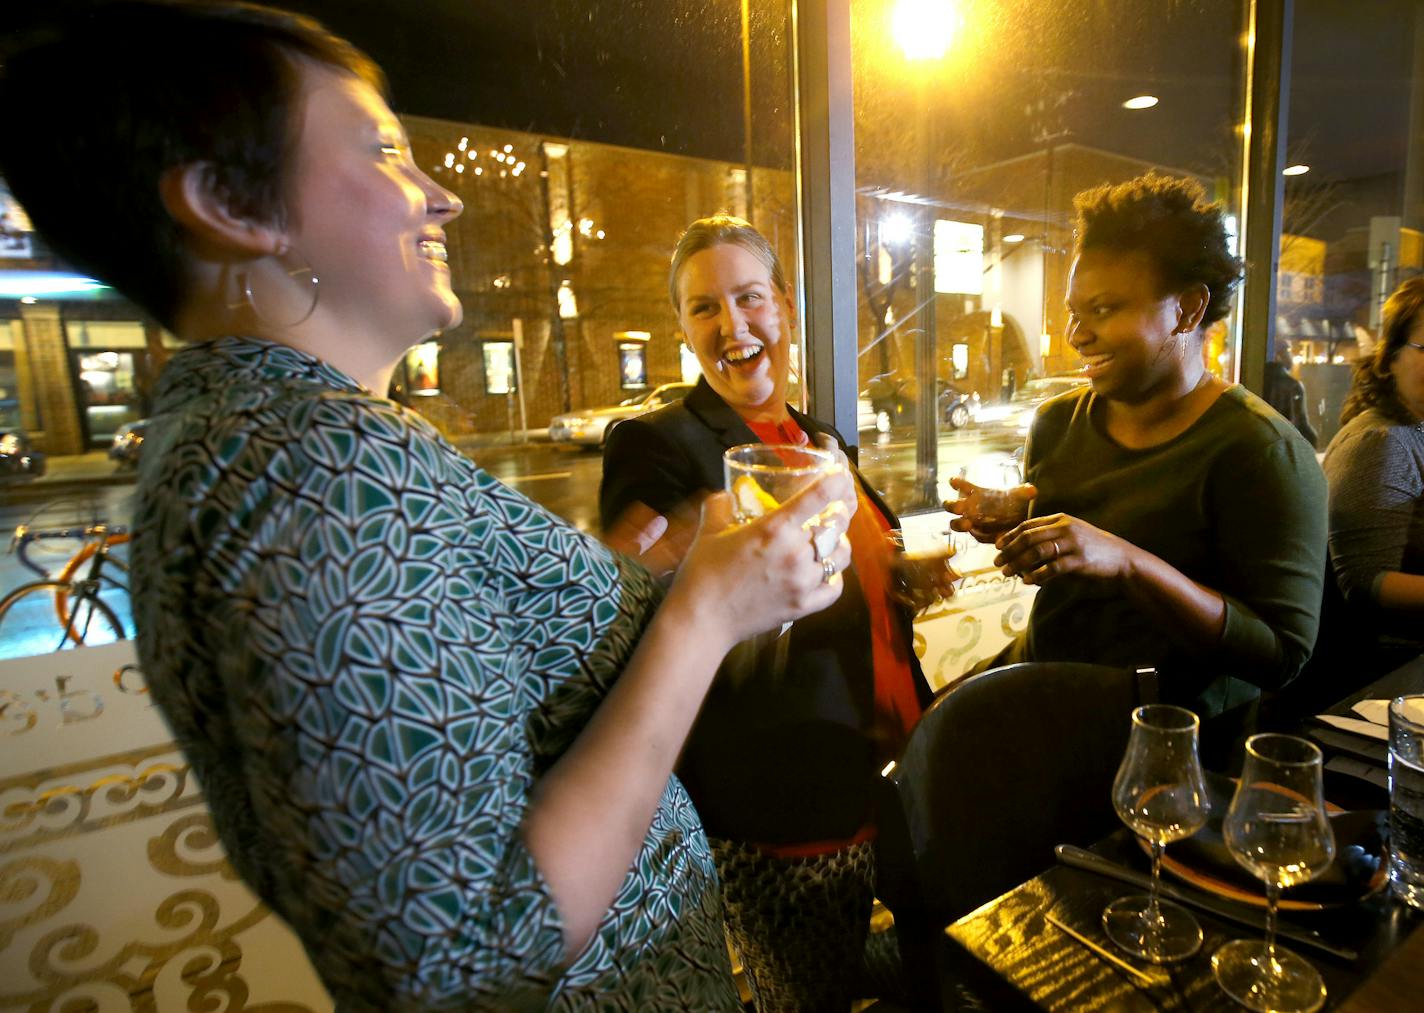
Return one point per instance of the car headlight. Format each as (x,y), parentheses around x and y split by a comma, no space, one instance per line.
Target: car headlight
(9,444)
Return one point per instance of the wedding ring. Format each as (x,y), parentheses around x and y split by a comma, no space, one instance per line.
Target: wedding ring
(828,570)
(1056,553)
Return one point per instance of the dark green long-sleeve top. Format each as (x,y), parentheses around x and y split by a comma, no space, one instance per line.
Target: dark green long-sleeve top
(1237,503)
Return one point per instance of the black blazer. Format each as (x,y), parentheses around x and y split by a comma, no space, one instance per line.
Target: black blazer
(786,748)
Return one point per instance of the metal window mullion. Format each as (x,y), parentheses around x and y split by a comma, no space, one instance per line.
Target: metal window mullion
(1269,24)
(825,189)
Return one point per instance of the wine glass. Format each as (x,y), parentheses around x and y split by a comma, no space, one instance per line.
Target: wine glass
(1277,830)
(1160,793)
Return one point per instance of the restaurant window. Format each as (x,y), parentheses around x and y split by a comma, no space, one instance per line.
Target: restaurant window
(976,122)
(1352,224)
(422,367)
(582,138)
(500,375)
(113,375)
(633,359)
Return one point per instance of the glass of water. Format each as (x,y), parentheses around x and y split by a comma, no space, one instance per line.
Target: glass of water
(1406,799)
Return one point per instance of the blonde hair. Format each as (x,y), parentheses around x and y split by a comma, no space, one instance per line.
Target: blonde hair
(715,230)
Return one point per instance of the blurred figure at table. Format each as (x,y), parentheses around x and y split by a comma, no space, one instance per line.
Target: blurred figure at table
(1375,468)
(785,756)
(1179,521)
(434,724)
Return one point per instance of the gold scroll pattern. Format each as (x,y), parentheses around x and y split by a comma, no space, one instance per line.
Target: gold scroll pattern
(130,833)
(987,611)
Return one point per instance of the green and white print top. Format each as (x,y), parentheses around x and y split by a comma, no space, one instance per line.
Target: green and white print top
(370,649)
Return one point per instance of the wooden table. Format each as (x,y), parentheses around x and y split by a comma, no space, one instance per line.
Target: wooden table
(1011,957)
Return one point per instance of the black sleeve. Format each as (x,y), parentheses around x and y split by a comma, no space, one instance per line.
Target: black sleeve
(640,464)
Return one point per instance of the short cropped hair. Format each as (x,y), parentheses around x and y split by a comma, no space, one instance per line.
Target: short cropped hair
(96,111)
(1372,384)
(1173,224)
(715,230)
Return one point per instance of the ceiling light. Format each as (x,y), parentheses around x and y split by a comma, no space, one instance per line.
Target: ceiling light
(1140,102)
(1016,237)
(1295,170)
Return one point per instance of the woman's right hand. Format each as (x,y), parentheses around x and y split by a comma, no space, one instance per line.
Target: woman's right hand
(754,577)
(988,513)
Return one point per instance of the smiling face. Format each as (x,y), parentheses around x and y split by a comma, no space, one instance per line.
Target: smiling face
(367,220)
(738,323)
(1122,325)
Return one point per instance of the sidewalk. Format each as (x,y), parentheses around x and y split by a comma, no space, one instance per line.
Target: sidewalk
(95,468)
(67,472)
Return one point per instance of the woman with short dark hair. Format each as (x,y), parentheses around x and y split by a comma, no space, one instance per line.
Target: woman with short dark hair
(1178,522)
(434,724)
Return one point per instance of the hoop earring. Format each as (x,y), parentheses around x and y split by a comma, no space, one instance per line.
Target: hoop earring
(249,299)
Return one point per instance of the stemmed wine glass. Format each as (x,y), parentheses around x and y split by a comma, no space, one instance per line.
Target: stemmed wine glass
(1277,829)
(1160,793)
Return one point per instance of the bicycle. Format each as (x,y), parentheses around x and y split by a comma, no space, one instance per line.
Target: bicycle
(75,590)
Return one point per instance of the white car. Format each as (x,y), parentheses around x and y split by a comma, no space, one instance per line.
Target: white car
(591,426)
(1017,413)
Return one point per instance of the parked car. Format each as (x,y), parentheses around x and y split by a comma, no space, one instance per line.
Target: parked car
(591,426)
(128,444)
(1016,414)
(888,402)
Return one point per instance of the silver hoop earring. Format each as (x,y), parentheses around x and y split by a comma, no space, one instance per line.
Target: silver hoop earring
(304,277)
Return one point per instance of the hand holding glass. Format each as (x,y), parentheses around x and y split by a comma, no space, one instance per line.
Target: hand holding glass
(1277,830)
(1160,793)
(762,476)
(919,576)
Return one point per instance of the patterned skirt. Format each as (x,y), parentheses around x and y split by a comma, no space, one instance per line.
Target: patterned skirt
(800,927)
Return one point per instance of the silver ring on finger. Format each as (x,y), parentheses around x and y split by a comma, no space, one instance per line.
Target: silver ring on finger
(1056,552)
(828,570)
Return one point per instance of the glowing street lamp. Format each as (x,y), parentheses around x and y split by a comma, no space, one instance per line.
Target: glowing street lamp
(924,29)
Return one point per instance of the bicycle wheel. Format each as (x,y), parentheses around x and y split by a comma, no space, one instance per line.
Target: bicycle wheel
(28,627)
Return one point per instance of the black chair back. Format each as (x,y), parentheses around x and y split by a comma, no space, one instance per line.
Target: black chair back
(1002,767)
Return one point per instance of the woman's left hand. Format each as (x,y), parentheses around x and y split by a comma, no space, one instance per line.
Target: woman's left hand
(1042,548)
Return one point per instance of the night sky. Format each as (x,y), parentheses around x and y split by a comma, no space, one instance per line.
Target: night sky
(665,75)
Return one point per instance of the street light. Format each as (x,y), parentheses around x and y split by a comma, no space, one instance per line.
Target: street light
(895,229)
(924,29)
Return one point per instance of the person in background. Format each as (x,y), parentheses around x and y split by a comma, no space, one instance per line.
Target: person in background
(434,724)
(785,757)
(1375,470)
(1175,520)
(1286,394)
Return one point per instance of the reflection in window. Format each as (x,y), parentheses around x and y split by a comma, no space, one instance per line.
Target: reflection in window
(975,124)
(1352,226)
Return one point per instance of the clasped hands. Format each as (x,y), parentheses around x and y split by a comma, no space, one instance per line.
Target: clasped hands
(1037,549)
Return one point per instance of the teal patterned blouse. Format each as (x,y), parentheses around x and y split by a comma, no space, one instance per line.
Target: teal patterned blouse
(370,649)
